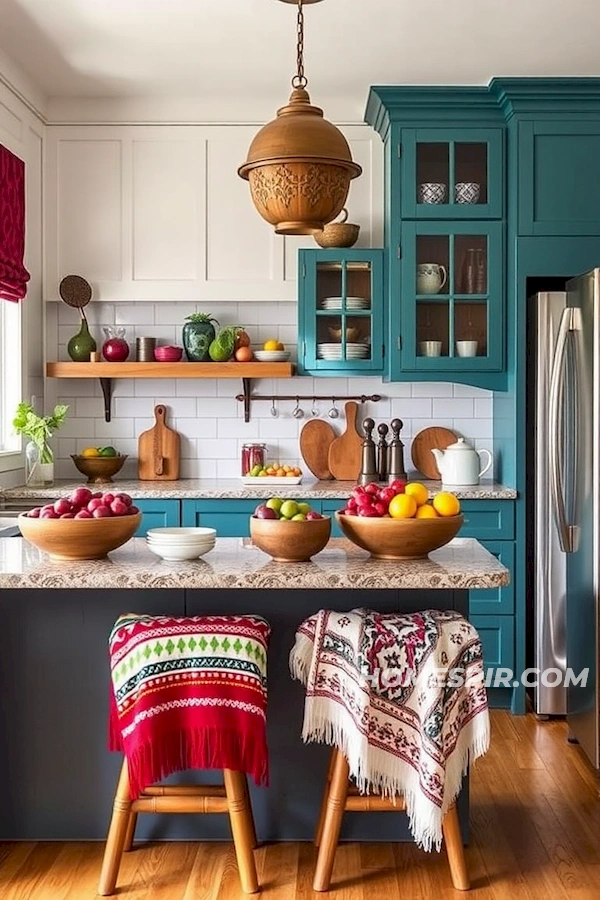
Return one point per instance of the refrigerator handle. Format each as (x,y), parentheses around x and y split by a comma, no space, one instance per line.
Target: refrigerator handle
(570,321)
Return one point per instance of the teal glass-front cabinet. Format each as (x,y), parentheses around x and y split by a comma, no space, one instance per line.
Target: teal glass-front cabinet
(340,312)
(449,311)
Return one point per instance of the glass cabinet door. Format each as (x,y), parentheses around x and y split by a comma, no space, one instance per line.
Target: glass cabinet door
(448,176)
(340,309)
(452,296)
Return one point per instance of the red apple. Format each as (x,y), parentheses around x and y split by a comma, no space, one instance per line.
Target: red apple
(81,496)
(363,501)
(357,489)
(83,514)
(398,486)
(310,516)
(48,513)
(94,503)
(380,508)
(386,495)
(97,495)
(265,512)
(351,503)
(124,498)
(101,512)
(108,498)
(133,511)
(68,515)
(118,508)
(62,506)
(35,512)
(371,488)
(368,511)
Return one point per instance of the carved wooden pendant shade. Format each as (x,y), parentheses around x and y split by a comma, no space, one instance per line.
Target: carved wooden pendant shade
(299,165)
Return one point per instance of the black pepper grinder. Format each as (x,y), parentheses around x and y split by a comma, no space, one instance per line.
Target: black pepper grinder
(368,469)
(396,452)
(382,452)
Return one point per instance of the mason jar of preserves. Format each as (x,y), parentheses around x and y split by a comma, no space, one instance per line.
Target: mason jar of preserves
(253,455)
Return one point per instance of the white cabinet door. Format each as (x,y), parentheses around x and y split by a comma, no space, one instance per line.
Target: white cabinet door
(160,213)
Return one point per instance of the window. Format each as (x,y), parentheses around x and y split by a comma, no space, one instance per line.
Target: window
(10,378)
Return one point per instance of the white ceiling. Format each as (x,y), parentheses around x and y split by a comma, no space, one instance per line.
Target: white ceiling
(237,56)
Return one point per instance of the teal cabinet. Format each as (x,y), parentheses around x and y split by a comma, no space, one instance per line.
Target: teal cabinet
(450,173)
(496,601)
(329,508)
(497,640)
(488,520)
(558,183)
(340,312)
(158,514)
(229,517)
(449,311)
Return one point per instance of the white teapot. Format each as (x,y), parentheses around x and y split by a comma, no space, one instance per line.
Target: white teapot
(460,464)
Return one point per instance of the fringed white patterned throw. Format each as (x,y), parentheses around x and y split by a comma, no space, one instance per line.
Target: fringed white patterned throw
(402,696)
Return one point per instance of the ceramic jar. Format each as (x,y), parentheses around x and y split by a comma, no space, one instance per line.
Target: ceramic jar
(431,278)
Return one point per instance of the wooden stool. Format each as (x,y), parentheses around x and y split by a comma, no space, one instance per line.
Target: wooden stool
(232,798)
(341,795)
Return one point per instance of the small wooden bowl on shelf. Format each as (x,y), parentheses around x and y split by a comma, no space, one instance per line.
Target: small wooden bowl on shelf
(387,538)
(79,538)
(289,541)
(99,469)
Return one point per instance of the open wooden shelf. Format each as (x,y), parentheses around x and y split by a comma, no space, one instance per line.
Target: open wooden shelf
(106,371)
(169,370)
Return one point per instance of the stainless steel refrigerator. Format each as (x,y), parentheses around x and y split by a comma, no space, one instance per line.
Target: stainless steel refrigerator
(567,503)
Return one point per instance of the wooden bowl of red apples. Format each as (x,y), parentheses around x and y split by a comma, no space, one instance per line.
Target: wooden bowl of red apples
(81,525)
(289,530)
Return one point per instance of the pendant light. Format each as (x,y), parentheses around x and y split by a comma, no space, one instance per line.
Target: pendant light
(299,165)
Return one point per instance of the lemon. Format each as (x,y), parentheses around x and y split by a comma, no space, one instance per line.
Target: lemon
(271,344)
(90,451)
(446,504)
(426,512)
(418,491)
(402,506)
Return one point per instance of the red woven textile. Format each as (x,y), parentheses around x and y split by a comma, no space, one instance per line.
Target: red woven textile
(189,693)
(13,274)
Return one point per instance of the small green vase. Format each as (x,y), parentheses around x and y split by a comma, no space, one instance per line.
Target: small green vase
(81,344)
(197,338)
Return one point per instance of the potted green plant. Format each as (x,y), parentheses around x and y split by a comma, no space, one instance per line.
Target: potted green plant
(39,458)
(198,335)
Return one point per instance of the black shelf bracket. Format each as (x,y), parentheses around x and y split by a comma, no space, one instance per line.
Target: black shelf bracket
(246,387)
(106,385)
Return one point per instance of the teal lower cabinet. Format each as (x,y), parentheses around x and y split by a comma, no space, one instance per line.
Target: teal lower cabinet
(488,520)
(497,635)
(158,514)
(328,508)
(496,601)
(229,517)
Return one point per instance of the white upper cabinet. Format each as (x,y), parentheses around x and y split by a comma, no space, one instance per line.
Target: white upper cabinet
(160,213)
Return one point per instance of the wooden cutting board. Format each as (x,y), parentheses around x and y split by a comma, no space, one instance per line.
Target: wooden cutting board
(159,450)
(422,457)
(345,452)
(315,439)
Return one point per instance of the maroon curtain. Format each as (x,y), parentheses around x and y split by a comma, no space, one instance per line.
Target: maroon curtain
(13,274)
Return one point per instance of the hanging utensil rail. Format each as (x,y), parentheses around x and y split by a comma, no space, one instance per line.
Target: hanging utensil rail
(246,398)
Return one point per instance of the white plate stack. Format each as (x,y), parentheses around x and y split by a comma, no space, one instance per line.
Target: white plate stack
(180,543)
(272,355)
(334,351)
(351,303)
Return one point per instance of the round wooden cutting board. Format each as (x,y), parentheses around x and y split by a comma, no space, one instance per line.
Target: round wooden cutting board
(315,439)
(422,445)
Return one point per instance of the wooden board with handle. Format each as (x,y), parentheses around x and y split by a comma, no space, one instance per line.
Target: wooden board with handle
(315,439)
(422,445)
(159,450)
(345,452)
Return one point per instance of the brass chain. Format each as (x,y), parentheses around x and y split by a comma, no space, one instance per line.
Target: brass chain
(299,80)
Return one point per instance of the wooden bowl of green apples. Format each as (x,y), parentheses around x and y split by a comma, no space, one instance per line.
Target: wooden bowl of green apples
(289,530)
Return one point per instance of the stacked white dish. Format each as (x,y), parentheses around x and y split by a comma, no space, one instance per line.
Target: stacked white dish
(180,543)
(351,303)
(272,355)
(334,351)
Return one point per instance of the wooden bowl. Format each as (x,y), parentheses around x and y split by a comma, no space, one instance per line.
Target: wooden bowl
(289,541)
(99,469)
(388,538)
(78,538)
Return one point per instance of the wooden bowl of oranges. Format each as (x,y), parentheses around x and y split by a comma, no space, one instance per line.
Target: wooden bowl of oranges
(99,464)
(399,521)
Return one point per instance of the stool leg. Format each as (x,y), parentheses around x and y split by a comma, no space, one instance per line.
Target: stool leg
(455,850)
(323,809)
(251,814)
(336,803)
(242,828)
(128,845)
(116,835)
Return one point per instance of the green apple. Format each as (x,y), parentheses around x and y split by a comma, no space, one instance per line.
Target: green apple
(304,508)
(274,503)
(299,517)
(288,509)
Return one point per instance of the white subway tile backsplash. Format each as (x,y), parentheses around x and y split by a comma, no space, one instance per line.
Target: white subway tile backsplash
(205,411)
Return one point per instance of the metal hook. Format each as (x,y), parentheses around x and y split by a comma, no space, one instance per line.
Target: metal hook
(314,410)
(298,413)
(333,412)
(274,412)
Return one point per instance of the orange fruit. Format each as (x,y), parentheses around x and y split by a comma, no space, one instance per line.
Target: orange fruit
(446,504)
(418,491)
(402,506)
(426,512)
(244,354)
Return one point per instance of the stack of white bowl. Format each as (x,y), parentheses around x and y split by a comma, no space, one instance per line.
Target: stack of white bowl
(180,543)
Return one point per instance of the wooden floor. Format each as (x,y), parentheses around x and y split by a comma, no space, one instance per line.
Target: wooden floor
(535,819)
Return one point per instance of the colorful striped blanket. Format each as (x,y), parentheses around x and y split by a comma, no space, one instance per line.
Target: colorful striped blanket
(189,693)
(402,696)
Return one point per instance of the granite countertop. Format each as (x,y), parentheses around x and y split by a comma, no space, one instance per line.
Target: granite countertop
(233,488)
(236,563)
